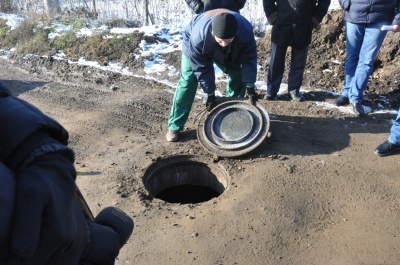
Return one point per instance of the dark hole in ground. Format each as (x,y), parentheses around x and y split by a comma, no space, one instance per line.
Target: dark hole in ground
(184,180)
(187,193)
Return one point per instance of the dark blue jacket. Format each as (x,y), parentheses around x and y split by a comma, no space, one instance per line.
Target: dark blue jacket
(371,11)
(200,47)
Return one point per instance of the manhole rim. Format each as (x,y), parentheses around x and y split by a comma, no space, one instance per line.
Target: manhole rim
(217,169)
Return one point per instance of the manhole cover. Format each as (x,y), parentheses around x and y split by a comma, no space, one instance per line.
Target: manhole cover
(233,128)
(184,180)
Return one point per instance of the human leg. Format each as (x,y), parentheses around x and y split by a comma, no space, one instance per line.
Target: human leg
(184,96)
(296,72)
(275,70)
(394,137)
(392,144)
(354,39)
(372,40)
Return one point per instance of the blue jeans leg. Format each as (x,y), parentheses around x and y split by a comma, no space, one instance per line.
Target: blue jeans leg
(276,68)
(394,137)
(363,42)
(297,64)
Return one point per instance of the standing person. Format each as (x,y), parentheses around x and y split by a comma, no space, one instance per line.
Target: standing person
(392,144)
(200,6)
(292,24)
(218,36)
(364,37)
(41,219)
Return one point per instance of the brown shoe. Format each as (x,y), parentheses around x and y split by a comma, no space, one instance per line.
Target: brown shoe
(172,136)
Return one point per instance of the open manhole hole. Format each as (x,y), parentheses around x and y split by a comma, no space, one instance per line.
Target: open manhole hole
(184,180)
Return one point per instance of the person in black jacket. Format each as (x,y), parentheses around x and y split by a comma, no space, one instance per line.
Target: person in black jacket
(200,6)
(42,218)
(292,24)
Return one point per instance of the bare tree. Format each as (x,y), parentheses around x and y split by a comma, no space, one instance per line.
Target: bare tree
(52,6)
(6,6)
(148,18)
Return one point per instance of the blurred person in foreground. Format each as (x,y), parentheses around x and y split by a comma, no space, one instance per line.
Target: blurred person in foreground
(292,25)
(392,144)
(200,6)
(43,218)
(364,37)
(217,36)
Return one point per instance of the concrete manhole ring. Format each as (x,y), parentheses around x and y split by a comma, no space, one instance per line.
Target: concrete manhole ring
(185,179)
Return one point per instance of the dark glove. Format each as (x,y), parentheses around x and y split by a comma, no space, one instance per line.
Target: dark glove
(315,22)
(109,231)
(252,95)
(49,227)
(272,18)
(209,101)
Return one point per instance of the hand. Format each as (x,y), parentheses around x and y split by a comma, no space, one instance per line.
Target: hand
(396,28)
(209,101)
(252,95)
(272,18)
(315,22)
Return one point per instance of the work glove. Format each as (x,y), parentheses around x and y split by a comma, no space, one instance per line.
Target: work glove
(49,226)
(252,95)
(109,232)
(209,101)
(272,18)
(315,22)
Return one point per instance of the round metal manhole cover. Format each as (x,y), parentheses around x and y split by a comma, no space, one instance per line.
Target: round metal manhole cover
(233,128)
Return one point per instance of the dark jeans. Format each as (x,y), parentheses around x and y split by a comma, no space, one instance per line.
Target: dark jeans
(277,67)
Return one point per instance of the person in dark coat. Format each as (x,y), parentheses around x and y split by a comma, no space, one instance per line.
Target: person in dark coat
(364,37)
(41,218)
(200,6)
(292,25)
(220,37)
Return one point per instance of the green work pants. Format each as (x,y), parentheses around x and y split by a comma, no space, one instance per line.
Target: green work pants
(187,87)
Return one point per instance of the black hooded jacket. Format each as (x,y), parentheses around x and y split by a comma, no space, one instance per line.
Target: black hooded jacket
(200,6)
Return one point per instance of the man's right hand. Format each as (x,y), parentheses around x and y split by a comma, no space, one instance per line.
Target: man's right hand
(272,18)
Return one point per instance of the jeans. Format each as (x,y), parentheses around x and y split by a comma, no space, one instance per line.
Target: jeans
(363,42)
(394,137)
(277,67)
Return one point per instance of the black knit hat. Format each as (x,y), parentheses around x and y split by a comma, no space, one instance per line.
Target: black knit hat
(224,26)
